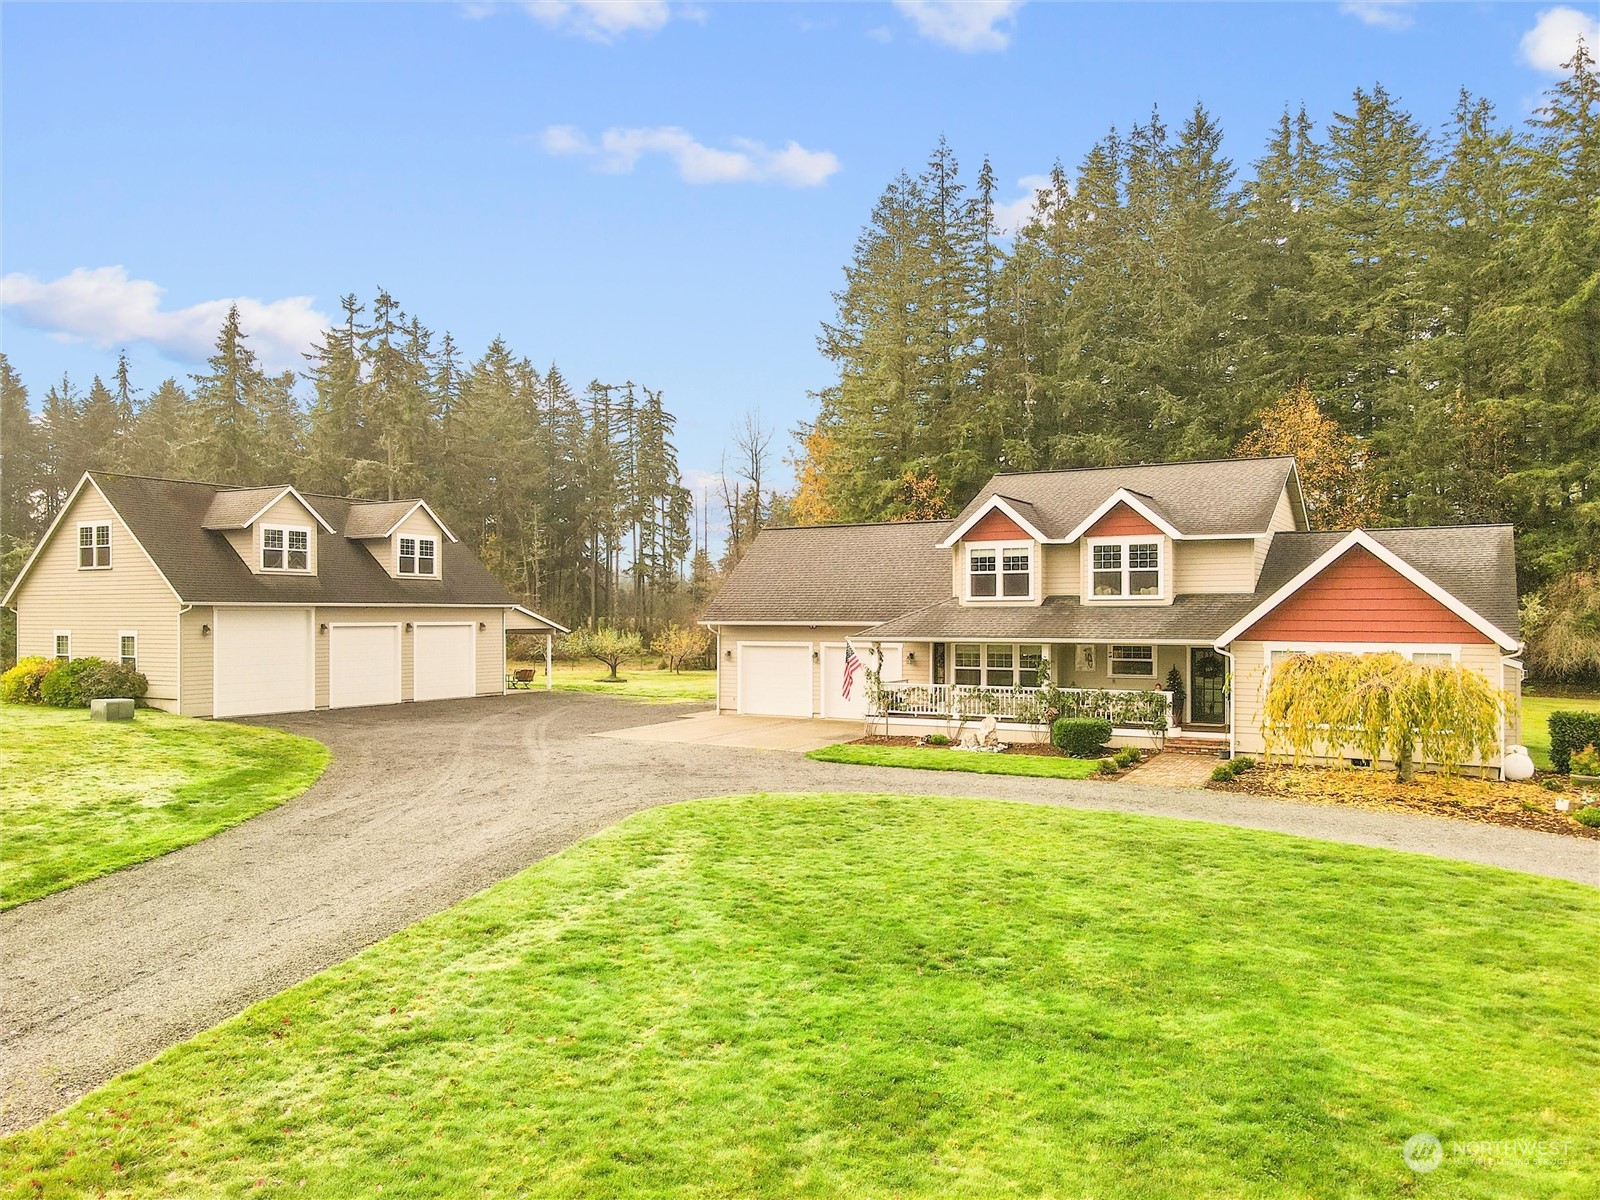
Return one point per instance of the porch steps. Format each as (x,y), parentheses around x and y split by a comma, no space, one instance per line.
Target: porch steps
(1179,744)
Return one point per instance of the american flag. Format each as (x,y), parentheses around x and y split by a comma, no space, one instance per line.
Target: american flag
(852,664)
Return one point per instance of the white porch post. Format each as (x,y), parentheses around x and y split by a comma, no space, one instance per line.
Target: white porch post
(549,648)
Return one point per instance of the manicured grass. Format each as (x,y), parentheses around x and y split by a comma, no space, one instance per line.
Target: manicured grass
(933,758)
(896,996)
(80,798)
(643,683)
(1536,712)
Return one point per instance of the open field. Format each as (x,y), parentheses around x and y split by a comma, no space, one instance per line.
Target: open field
(831,996)
(933,758)
(1536,712)
(642,682)
(79,798)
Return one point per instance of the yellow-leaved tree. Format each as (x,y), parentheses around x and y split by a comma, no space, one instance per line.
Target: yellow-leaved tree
(1332,464)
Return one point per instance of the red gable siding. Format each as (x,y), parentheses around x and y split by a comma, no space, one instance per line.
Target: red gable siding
(995,526)
(1121,521)
(1358,598)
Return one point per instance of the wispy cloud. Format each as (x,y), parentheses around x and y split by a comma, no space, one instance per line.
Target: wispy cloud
(1385,14)
(1012,215)
(1553,40)
(968,25)
(102,306)
(597,20)
(744,161)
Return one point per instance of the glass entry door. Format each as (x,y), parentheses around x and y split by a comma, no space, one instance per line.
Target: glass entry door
(1208,691)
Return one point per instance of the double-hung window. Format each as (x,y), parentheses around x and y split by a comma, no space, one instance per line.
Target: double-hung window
(94,547)
(999,572)
(284,549)
(418,556)
(1139,662)
(63,646)
(995,664)
(967,665)
(128,650)
(1128,568)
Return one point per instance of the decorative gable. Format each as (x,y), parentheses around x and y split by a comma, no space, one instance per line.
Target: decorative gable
(1359,599)
(995,526)
(1121,521)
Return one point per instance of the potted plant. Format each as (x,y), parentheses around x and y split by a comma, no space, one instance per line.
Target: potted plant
(1586,765)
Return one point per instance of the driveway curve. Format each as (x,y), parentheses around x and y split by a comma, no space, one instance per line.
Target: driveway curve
(424,805)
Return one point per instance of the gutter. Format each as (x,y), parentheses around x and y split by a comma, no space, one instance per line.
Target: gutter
(1233,723)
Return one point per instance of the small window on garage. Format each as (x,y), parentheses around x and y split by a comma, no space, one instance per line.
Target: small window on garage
(285,549)
(63,645)
(417,556)
(94,547)
(128,650)
(1429,658)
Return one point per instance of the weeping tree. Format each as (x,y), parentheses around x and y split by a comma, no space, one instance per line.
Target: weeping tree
(1375,706)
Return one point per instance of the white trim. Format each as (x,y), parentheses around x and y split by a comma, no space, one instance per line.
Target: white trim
(1164,555)
(528,612)
(1111,661)
(1360,537)
(998,549)
(863,625)
(55,637)
(128,633)
(288,491)
(1123,496)
(94,545)
(988,506)
(261,550)
(405,516)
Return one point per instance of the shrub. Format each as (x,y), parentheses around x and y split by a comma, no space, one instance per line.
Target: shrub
(1586,761)
(1222,773)
(21,684)
(1553,784)
(1243,763)
(1126,757)
(1107,766)
(1589,815)
(63,687)
(112,679)
(1570,731)
(936,739)
(1081,737)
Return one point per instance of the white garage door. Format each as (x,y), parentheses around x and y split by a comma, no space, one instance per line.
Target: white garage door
(775,681)
(363,665)
(262,661)
(446,661)
(833,702)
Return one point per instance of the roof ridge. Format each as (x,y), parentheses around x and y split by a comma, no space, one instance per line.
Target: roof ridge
(1376,529)
(1182,462)
(855,524)
(99,472)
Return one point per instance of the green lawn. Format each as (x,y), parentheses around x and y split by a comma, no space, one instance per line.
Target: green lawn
(1536,712)
(79,798)
(896,996)
(643,683)
(936,759)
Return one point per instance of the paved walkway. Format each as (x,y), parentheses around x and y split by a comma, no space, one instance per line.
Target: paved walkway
(103,976)
(1170,769)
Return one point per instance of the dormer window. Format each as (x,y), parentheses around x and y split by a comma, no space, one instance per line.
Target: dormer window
(999,572)
(418,556)
(285,549)
(1125,568)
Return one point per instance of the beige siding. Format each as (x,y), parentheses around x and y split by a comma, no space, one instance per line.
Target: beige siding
(1220,566)
(811,635)
(491,642)
(1282,522)
(417,524)
(1061,571)
(287,512)
(1064,671)
(196,656)
(97,606)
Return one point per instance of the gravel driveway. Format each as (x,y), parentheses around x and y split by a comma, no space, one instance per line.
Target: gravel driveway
(425,804)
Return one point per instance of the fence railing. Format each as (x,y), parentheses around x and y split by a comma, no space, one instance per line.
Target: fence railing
(1132,708)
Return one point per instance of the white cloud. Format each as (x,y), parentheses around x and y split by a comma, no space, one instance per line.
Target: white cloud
(1385,14)
(597,20)
(619,151)
(104,307)
(1553,40)
(1012,215)
(968,25)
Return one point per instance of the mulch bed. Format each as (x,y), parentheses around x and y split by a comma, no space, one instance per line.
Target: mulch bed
(1037,749)
(1522,805)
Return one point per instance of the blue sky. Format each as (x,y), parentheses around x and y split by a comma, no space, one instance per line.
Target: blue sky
(639,189)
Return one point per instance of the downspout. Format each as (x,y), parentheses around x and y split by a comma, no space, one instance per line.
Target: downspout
(1509,660)
(1233,724)
(182,610)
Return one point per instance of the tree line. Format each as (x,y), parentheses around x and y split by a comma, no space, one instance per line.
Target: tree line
(1435,294)
(574,500)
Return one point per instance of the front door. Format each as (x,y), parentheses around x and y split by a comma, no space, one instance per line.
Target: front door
(1208,690)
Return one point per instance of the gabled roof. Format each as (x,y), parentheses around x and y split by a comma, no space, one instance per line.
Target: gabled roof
(1470,569)
(168,518)
(1232,497)
(380,518)
(240,508)
(1022,512)
(818,574)
(1146,506)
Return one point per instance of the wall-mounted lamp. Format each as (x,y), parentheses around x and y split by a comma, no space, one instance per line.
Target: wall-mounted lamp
(911,656)
(323,628)
(815,657)
(205,631)
(408,626)
(727,654)
(482,626)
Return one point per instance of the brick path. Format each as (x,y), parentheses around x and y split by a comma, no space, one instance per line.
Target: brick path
(1174,770)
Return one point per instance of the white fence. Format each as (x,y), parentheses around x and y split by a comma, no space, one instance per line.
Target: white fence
(1131,708)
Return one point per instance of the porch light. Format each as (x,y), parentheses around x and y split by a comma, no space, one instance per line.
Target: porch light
(815,657)
(482,626)
(727,654)
(911,656)
(322,628)
(409,626)
(205,631)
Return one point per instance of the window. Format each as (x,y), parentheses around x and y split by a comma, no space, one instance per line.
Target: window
(999,664)
(981,574)
(996,664)
(993,572)
(1428,658)
(63,646)
(1137,661)
(1028,660)
(1015,577)
(417,556)
(1125,568)
(128,650)
(425,549)
(284,549)
(94,547)
(969,665)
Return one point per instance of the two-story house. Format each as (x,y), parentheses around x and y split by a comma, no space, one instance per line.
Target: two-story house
(1104,579)
(235,601)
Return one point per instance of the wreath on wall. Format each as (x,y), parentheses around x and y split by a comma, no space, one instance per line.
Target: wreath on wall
(1209,668)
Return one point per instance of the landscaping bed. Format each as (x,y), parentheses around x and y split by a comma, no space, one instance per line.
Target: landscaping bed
(908,752)
(896,996)
(1037,749)
(1523,805)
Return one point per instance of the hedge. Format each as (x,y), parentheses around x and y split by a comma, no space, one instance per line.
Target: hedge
(1571,731)
(1081,737)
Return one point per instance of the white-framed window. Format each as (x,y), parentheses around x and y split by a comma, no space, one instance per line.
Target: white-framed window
(1428,655)
(94,546)
(1126,569)
(1133,662)
(999,572)
(417,556)
(63,644)
(284,548)
(1433,658)
(996,664)
(128,650)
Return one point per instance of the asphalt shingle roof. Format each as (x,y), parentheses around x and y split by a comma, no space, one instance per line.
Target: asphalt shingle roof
(374,519)
(231,508)
(1196,618)
(1227,496)
(169,517)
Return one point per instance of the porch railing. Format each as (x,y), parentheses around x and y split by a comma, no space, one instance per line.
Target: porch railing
(1125,708)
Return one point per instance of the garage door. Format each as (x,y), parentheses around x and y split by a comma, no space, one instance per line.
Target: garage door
(262,661)
(446,661)
(775,681)
(363,665)
(833,702)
